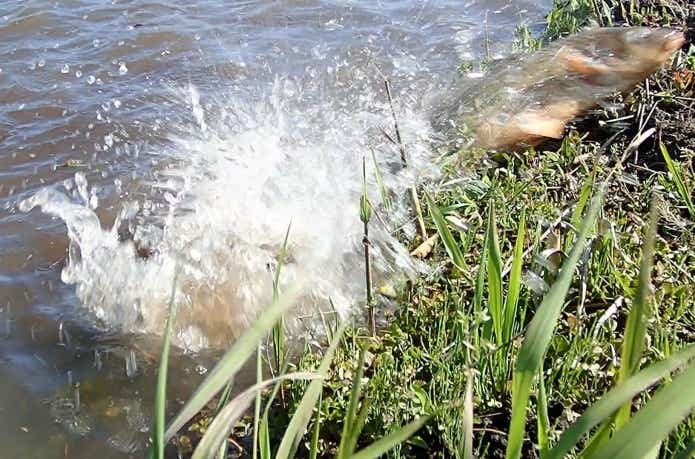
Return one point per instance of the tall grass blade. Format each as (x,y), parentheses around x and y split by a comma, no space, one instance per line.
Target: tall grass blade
(514,289)
(468,419)
(543,419)
(638,318)
(452,248)
(540,331)
(382,446)
(230,363)
(605,407)
(688,452)
(219,429)
(257,407)
(351,413)
(297,425)
(380,182)
(677,174)
(159,442)
(279,329)
(494,276)
(358,425)
(314,447)
(654,421)
(224,398)
(264,429)
(584,196)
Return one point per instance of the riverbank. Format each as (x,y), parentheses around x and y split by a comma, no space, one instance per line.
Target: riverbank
(515,218)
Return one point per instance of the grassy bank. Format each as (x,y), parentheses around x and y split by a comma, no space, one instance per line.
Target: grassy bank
(506,227)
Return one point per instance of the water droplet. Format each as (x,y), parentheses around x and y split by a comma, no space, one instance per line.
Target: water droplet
(122,70)
(42,62)
(91,79)
(65,69)
(131,364)
(78,74)
(117,103)
(201,370)
(197,37)
(95,43)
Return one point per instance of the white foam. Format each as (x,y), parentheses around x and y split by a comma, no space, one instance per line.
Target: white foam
(238,173)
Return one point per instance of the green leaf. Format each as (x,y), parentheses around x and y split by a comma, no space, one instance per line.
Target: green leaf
(514,289)
(230,363)
(257,406)
(654,421)
(295,429)
(382,446)
(494,276)
(349,421)
(219,429)
(468,418)
(380,182)
(365,207)
(159,442)
(543,419)
(638,318)
(605,407)
(688,452)
(314,447)
(445,235)
(539,333)
(677,174)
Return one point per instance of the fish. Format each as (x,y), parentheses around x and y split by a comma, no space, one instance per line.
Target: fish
(525,99)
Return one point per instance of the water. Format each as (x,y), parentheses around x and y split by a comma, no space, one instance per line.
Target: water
(140,142)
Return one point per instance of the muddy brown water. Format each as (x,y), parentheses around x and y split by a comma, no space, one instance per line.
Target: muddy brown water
(86,87)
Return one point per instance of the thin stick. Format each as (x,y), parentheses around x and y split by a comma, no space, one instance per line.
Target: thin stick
(404,161)
(399,139)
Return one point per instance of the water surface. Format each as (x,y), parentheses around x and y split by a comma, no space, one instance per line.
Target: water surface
(200,132)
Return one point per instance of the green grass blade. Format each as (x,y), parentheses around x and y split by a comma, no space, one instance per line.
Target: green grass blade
(584,196)
(356,430)
(494,276)
(257,407)
(468,419)
(382,446)
(543,419)
(159,442)
(230,363)
(539,333)
(380,182)
(514,289)
(677,174)
(652,424)
(349,421)
(297,425)
(219,429)
(605,407)
(688,452)
(314,447)
(452,248)
(639,316)
(224,398)
(279,329)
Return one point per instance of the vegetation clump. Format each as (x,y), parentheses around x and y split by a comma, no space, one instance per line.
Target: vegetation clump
(559,314)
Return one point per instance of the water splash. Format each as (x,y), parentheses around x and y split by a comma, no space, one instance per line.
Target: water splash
(236,173)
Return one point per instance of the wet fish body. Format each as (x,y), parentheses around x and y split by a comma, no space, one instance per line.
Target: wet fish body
(526,98)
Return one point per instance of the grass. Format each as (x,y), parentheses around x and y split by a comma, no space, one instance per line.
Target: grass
(561,291)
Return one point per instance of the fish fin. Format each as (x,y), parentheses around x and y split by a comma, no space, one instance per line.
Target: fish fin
(541,125)
(575,62)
